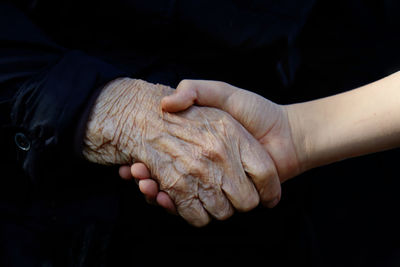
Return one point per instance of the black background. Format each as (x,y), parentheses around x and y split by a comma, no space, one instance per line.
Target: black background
(344,214)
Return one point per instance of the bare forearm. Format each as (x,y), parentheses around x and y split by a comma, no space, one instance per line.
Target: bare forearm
(362,121)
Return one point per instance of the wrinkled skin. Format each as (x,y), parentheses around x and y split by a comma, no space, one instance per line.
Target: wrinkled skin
(199,157)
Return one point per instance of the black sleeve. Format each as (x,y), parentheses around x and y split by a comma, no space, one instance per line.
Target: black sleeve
(44,90)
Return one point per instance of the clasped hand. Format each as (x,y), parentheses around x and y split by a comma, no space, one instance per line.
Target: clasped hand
(204,161)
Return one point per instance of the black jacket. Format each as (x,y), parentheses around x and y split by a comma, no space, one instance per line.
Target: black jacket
(55,56)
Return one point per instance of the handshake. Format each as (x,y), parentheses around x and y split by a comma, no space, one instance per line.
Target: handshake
(228,153)
(209,148)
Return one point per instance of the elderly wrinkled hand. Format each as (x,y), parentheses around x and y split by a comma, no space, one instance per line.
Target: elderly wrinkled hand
(199,157)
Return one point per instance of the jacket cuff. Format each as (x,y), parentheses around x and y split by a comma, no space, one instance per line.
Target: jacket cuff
(47,110)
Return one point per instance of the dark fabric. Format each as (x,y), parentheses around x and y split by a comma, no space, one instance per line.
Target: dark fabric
(50,86)
(57,210)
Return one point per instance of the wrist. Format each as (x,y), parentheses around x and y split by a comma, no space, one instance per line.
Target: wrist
(109,123)
(127,116)
(322,130)
(303,133)
(102,130)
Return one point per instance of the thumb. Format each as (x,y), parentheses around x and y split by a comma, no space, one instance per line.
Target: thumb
(181,99)
(204,93)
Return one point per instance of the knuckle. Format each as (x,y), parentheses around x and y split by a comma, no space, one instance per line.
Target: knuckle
(216,204)
(191,210)
(265,179)
(270,195)
(198,168)
(220,84)
(215,152)
(185,204)
(224,85)
(190,165)
(185,84)
(175,186)
(179,186)
(224,215)
(264,173)
(249,203)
